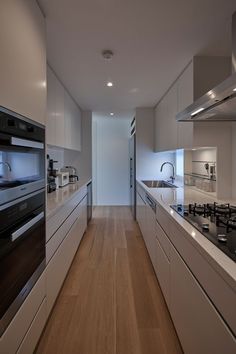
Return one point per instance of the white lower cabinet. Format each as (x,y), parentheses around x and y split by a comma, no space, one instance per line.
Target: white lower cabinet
(60,262)
(199,326)
(58,267)
(146,220)
(32,336)
(141,214)
(150,239)
(162,265)
(201,303)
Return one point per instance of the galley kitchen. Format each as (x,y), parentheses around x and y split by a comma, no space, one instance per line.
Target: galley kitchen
(117,177)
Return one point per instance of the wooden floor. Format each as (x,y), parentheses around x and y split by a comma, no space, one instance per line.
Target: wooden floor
(111,302)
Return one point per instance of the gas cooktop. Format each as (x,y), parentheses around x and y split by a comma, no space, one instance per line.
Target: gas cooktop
(217,222)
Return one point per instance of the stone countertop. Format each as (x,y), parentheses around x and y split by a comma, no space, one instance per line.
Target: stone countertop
(56,199)
(185,195)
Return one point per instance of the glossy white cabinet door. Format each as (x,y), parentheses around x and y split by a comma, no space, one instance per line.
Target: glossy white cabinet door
(161,125)
(59,265)
(199,326)
(55,128)
(171,123)
(141,214)
(185,98)
(150,237)
(72,124)
(51,109)
(162,269)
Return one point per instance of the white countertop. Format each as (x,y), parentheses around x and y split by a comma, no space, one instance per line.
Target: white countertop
(185,195)
(56,199)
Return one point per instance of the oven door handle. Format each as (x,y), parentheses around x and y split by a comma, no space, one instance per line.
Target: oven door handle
(26,143)
(16,234)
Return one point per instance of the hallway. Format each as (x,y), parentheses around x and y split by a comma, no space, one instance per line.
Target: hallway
(111,302)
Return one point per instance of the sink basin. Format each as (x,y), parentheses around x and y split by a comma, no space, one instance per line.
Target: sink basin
(159,184)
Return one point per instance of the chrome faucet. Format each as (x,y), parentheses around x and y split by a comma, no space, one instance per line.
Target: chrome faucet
(173,175)
(6,164)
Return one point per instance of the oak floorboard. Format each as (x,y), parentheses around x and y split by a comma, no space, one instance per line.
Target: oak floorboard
(151,341)
(127,338)
(145,310)
(111,302)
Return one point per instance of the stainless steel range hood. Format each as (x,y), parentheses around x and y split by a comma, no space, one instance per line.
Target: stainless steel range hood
(218,104)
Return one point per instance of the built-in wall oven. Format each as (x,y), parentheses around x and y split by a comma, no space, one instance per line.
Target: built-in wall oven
(22,156)
(22,210)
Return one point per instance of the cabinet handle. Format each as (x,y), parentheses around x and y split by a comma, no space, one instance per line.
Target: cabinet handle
(16,234)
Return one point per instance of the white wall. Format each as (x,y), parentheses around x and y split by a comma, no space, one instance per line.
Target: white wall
(111,161)
(57,154)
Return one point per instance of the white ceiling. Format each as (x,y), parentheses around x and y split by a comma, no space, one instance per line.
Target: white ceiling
(152,40)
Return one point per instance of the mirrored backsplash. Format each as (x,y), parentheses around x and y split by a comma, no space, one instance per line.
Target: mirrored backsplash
(200,169)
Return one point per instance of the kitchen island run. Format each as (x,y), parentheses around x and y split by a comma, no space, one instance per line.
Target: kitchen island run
(197,279)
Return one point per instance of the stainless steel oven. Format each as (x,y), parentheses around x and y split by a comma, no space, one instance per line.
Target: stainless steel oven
(22,156)
(22,251)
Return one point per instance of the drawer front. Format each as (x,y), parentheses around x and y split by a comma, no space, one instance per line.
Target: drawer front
(163,219)
(198,324)
(31,339)
(57,220)
(141,215)
(59,264)
(162,269)
(163,239)
(14,334)
(141,191)
(54,242)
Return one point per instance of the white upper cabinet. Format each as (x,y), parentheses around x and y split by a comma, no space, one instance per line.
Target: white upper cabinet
(185,98)
(165,122)
(200,75)
(63,116)
(169,134)
(72,124)
(55,126)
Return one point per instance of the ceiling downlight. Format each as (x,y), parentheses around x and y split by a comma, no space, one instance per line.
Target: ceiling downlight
(107,54)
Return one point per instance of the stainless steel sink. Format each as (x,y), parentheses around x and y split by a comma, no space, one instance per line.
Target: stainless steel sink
(159,184)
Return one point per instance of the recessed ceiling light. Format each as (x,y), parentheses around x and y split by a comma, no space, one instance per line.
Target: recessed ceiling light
(109,84)
(107,54)
(112,114)
(234,89)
